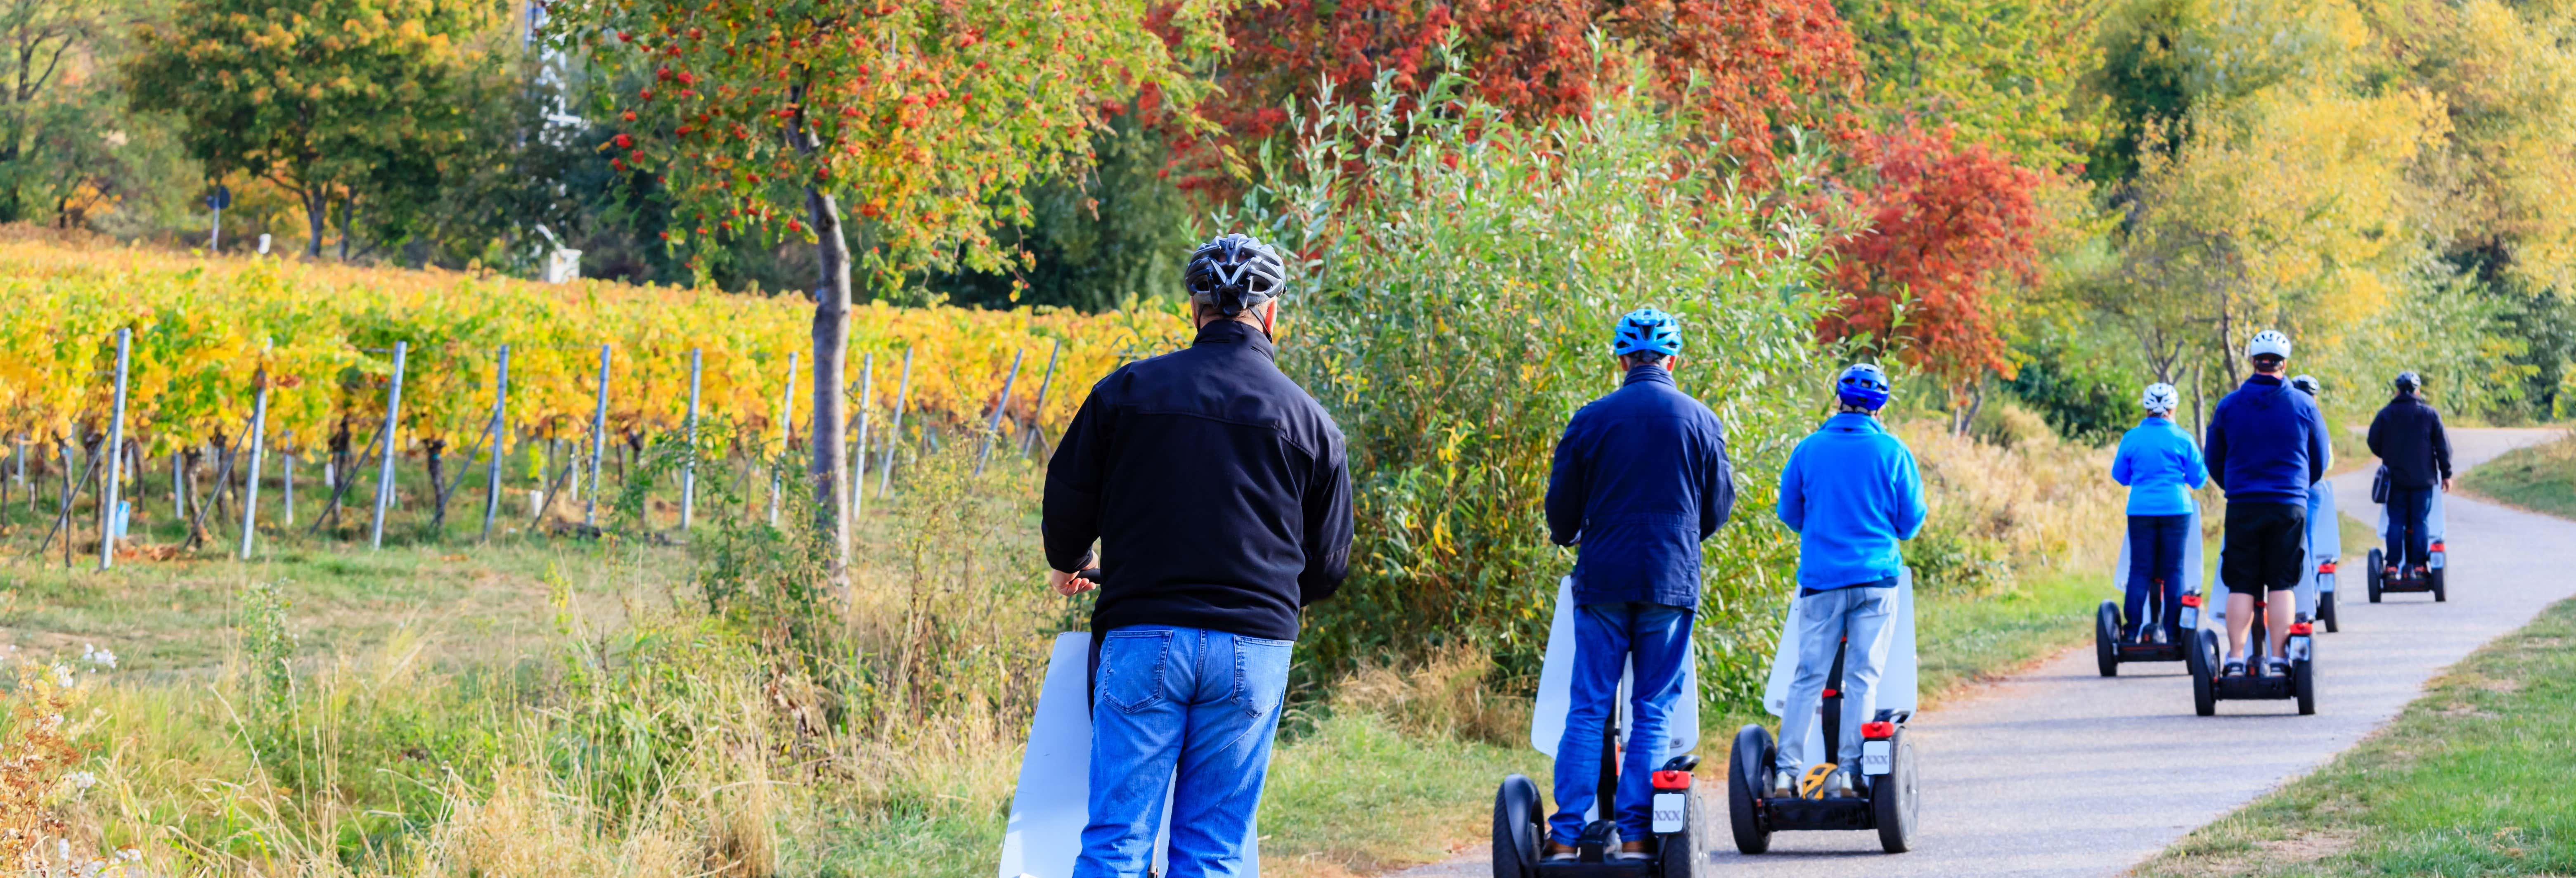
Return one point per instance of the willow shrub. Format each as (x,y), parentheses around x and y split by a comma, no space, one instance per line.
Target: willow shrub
(1459,276)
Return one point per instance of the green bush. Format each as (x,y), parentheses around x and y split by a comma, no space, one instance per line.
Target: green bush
(1459,277)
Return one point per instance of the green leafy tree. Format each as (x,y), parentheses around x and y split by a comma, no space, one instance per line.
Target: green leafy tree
(760,118)
(325,99)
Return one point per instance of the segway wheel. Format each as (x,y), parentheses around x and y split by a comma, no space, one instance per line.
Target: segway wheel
(1892,798)
(1747,768)
(2106,639)
(2203,659)
(2326,612)
(1516,828)
(2370,575)
(1685,854)
(2303,683)
(2441,584)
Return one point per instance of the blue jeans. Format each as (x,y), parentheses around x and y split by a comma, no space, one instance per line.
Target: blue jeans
(1204,702)
(2155,568)
(2408,544)
(1825,618)
(1604,635)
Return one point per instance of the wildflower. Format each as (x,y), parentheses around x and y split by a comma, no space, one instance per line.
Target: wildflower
(81,779)
(100,657)
(63,676)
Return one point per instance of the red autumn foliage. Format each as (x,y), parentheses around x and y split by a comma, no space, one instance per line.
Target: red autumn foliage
(1945,225)
(1746,68)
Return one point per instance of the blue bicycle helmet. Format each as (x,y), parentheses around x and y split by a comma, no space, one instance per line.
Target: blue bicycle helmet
(1646,329)
(1863,385)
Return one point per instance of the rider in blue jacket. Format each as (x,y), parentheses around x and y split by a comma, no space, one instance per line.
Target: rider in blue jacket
(1852,492)
(1640,478)
(2160,464)
(2267,444)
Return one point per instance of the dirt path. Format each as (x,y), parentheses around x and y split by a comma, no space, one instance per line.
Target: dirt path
(2059,771)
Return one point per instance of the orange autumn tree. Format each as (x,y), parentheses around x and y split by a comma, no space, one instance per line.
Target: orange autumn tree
(1946,224)
(762,119)
(1747,69)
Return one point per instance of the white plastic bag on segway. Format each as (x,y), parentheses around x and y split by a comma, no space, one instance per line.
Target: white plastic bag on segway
(1556,687)
(2325,543)
(1053,801)
(2191,573)
(1896,680)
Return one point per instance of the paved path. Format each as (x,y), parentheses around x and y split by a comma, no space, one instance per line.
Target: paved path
(2059,771)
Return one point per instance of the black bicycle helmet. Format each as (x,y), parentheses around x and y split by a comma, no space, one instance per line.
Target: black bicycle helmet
(1233,273)
(2408,381)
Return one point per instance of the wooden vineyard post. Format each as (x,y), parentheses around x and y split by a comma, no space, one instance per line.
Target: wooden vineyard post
(1037,414)
(993,425)
(598,444)
(385,470)
(115,456)
(689,465)
(894,428)
(258,440)
(500,440)
(786,435)
(859,444)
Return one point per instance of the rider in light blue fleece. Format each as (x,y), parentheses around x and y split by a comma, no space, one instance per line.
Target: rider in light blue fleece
(2160,464)
(1852,493)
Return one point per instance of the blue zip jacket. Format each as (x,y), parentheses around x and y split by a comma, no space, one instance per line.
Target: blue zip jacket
(2267,443)
(2160,464)
(1852,493)
(1640,478)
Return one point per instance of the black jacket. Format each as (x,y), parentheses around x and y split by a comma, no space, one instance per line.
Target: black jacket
(2407,436)
(1216,487)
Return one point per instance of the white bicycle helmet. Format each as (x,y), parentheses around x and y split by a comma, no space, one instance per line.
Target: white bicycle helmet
(2161,398)
(2269,341)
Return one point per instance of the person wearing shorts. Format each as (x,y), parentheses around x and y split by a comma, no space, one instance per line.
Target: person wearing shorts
(2266,446)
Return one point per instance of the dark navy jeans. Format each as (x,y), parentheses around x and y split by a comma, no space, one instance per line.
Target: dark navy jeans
(2409,545)
(2155,568)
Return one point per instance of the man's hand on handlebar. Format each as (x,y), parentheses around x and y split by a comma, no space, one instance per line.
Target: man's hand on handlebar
(1070,584)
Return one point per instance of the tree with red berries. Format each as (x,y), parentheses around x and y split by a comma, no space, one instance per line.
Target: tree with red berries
(1946,225)
(761,119)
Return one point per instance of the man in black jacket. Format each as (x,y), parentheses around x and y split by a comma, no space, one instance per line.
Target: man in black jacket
(2415,454)
(1219,493)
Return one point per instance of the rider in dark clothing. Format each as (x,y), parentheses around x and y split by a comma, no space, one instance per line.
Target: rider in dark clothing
(2415,454)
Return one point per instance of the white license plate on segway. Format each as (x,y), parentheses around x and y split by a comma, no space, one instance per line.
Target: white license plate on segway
(1874,757)
(1669,808)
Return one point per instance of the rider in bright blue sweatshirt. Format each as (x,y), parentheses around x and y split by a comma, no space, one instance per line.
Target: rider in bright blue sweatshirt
(1853,473)
(2160,464)
(1852,493)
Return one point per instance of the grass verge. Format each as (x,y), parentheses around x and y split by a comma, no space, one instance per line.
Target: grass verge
(2471,779)
(2541,478)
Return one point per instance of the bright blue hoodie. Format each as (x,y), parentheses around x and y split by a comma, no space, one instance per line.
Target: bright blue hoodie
(2160,464)
(2267,443)
(1852,493)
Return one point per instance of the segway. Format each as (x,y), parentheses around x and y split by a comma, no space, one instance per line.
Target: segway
(2436,561)
(1053,800)
(2208,655)
(2109,651)
(1677,841)
(2325,550)
(1887,796)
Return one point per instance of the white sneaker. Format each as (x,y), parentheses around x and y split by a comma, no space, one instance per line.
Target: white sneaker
(1839,785)
(1784,785)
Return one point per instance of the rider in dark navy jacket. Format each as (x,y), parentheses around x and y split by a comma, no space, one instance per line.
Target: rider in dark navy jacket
(1640,479)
